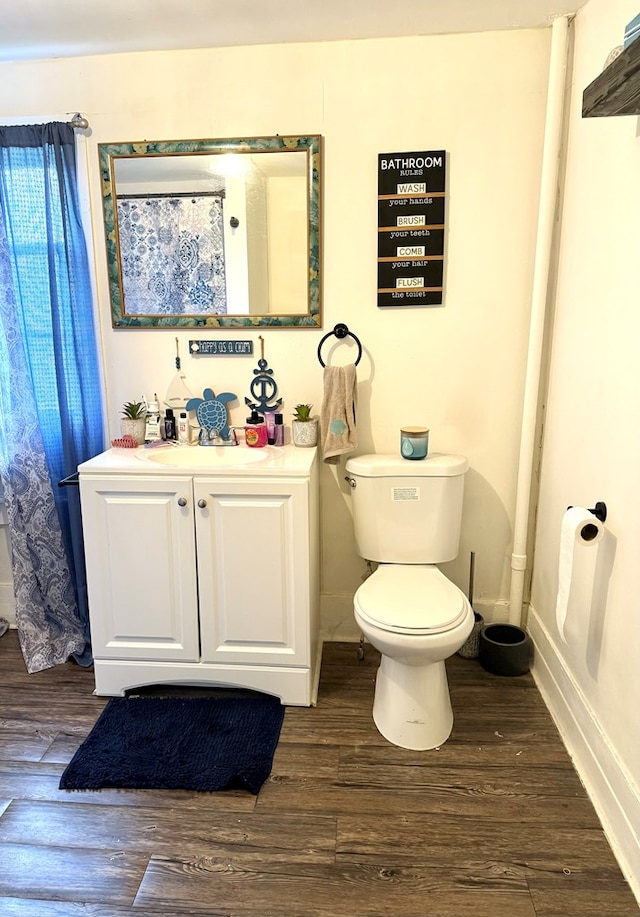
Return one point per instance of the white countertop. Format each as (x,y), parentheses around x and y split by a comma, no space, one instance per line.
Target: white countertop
(241,460)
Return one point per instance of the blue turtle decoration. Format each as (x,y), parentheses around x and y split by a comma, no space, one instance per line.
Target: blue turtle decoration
(211,410)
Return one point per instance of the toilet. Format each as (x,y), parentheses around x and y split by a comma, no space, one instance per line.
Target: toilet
(407,517)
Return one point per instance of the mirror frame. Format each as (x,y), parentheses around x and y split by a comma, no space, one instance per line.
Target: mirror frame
(108,153)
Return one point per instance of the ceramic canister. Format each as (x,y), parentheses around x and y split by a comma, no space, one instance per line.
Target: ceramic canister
(414,442)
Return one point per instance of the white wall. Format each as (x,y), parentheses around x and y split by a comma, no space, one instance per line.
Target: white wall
(458,369)
(592,449)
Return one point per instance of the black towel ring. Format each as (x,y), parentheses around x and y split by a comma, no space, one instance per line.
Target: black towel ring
(340,331)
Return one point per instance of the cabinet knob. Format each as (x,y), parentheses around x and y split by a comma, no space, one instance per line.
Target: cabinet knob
(182,501)
(202,503)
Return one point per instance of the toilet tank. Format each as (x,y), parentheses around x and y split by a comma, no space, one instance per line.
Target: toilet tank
(407,512)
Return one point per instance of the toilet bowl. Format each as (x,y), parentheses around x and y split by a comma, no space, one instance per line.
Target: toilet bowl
(416,618)
(407,517)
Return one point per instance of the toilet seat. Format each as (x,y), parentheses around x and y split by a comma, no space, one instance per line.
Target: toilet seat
(410,599)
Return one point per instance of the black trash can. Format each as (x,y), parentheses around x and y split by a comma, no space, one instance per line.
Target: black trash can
(505,649)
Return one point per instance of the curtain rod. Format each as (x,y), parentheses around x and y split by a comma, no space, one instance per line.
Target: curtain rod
(162,194)
(79,122)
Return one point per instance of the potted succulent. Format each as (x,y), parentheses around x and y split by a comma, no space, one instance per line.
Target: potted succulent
(304,428)
(134,420)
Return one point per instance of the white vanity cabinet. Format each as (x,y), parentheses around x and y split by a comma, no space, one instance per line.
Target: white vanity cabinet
(141,569)
(200,575)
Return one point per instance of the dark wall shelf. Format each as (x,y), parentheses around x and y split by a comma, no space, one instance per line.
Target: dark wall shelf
(617,90)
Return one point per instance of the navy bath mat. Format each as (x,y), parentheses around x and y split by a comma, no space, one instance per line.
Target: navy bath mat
(178,743)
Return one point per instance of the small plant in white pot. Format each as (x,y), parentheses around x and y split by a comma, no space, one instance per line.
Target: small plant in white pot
(134,420)
(304,427)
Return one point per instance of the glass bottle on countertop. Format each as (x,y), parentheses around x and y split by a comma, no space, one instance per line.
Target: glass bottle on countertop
(279,430)
(169,425)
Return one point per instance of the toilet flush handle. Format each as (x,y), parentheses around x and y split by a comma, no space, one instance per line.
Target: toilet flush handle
(350,481)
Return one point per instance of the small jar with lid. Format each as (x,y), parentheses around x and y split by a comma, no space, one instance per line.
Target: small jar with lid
(414,442)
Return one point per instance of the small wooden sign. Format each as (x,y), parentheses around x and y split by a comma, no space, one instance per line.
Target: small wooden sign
(411,224)
(221,348)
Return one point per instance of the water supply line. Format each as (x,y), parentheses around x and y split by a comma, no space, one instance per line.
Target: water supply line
(554,122)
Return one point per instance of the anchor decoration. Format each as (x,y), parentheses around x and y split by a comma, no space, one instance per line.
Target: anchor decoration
(211,411)
(263,387)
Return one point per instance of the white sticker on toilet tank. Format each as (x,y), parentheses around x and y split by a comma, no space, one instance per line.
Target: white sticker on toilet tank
(405,493)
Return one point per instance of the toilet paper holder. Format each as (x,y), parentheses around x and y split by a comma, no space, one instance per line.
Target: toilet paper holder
(599,511)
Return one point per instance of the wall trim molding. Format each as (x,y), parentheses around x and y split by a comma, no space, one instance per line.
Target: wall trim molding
(611,788)
(7,603)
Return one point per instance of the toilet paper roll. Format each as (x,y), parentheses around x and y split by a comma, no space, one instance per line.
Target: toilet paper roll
(580,531)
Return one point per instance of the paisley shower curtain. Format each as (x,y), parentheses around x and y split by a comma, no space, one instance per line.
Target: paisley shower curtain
(172,254)
(50,399)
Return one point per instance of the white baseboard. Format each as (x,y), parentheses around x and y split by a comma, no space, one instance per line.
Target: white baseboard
(7,603)
(492,612)
(615,796)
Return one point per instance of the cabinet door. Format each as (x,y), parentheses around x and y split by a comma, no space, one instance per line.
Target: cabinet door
(141,575)
(253,571)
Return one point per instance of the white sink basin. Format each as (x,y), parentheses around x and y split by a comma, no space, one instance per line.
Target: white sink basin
(208,456)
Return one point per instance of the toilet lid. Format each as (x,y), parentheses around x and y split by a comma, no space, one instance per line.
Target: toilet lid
(410,598)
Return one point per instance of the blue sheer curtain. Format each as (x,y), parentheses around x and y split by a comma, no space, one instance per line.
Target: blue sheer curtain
(50,400)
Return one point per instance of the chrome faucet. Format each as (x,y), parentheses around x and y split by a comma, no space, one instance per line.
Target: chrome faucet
(214,437)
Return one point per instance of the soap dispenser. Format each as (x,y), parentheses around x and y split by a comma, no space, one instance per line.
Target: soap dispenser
(255,431)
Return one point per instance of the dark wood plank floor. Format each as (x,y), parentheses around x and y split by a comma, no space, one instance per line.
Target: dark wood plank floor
(495,823)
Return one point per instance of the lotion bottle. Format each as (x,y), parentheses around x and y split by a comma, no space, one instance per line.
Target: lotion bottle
(269,419)
(183,427)
(153,431)
(279,430)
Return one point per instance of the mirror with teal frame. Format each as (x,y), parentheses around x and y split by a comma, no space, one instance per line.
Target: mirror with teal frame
(213,233)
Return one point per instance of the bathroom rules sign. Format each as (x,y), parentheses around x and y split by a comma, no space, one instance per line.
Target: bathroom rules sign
(411,222)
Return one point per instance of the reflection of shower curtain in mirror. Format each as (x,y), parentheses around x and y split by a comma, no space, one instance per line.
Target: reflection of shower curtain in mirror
(172,255)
